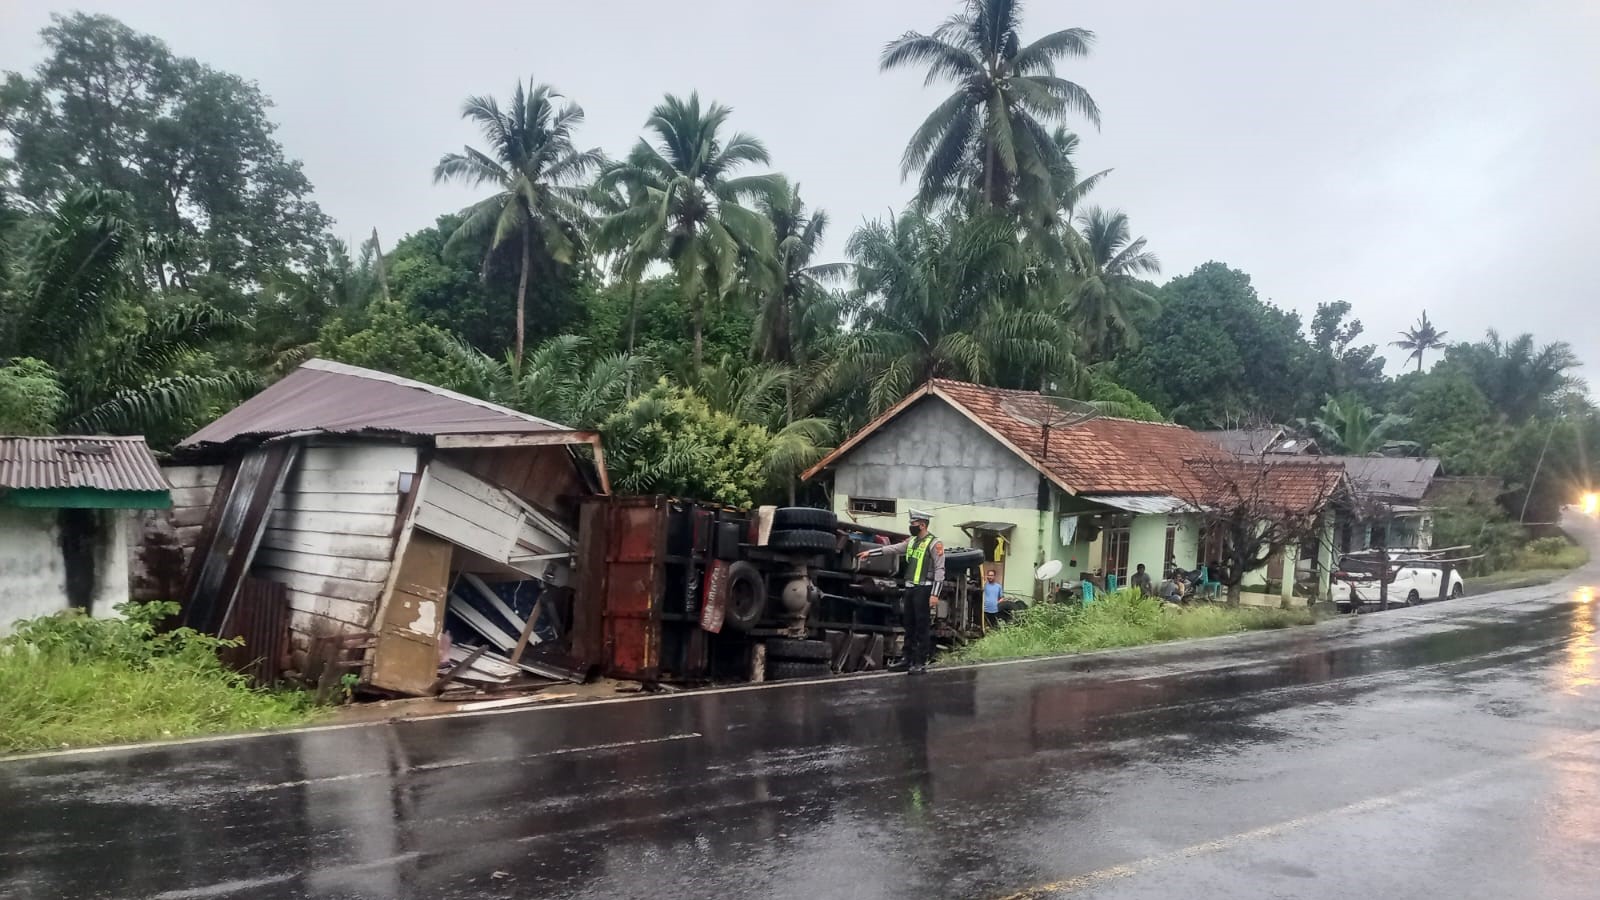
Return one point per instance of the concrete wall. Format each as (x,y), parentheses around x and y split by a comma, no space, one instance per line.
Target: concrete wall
(1021,555)
(933,452)
(33,573)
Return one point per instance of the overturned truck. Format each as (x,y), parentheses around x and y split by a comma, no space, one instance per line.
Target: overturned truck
(675,589)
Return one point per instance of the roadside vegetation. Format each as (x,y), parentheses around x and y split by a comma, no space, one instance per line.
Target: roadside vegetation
(73,681)
(1123,619)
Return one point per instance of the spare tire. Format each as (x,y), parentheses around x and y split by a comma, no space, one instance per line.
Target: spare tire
(803,541)
(793,649)
(747,596)
(804,518)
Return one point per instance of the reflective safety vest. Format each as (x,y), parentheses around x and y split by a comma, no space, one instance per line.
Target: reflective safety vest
(1000,549)
(916,556)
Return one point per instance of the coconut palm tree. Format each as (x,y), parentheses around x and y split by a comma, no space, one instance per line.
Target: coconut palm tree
(797,310)
(1107,291)
(537,173)
(1419,339)
(946,297)
(993,125)
(685,203)
(67,302)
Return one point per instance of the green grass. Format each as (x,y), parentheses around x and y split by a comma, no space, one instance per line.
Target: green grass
(1549,553)
(1123,619)
(72,681)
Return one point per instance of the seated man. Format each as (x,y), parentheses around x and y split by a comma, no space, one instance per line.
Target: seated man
(1141,580)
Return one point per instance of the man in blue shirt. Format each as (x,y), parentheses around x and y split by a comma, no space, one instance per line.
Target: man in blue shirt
(991,599)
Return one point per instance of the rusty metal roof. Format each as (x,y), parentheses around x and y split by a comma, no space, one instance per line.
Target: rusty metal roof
(336,398)
(78,461)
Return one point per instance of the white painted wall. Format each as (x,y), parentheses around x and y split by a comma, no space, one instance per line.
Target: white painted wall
(33,578)
(330,539)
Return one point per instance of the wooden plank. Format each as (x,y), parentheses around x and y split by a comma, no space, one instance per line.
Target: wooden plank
(332,523)
(332,566)
(371,504)
(359,457)
(512,620)
(534,439)
(344,481)
(189,516)
(348,612)
(461,530)
(193,496)
(342,588)
(491,631)
(406,654)
(192,476)
(353,546)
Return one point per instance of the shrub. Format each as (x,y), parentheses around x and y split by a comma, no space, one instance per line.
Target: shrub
(74,680)
(1550,553)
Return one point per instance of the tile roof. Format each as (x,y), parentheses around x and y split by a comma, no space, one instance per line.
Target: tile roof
(73,461)
(1271,484)
(337,398)
(1103,455)
(1260,441)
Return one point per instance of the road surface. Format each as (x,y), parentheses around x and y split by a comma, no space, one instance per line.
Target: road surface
(1450,750)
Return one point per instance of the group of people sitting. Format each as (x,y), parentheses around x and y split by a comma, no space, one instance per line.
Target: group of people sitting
(1176,587)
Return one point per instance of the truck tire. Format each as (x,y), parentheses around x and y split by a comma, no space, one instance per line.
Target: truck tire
(803,541)
(804,518)
(1413,599)
(784,669)
(797,650)
(960,558)
(747,597)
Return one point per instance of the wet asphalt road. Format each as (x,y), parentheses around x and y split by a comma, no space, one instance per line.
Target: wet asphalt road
(1451,750)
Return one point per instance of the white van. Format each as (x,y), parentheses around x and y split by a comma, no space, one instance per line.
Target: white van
(1411,583)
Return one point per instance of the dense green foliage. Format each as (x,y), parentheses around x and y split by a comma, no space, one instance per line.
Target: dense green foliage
(78,681)
(160,255)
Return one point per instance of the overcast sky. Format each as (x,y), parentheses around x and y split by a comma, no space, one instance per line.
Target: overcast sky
(1398,155)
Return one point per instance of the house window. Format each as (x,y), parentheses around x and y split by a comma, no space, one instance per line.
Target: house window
(872,506)
(1172,545)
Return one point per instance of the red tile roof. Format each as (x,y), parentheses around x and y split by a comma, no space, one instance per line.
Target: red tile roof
(1101,456)
(1268,485)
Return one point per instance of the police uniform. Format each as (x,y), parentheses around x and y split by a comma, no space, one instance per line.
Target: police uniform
(923,573)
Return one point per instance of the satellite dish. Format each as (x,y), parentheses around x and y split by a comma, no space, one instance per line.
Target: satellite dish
(1048,570)
(1047,412)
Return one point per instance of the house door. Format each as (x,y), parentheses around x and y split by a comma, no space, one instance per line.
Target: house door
(1115,561)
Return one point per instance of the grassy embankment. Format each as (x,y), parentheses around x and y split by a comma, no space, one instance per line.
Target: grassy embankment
(1536,562)
(73,681)
(1123,619)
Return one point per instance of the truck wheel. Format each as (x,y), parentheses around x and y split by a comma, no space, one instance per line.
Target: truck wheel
(1456,591)
(803,541)
(960,558)
(792,649)
(1413,599)
(804,518)
(782,669)
(747,596)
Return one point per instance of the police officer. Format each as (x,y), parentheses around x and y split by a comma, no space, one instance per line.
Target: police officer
(923,573)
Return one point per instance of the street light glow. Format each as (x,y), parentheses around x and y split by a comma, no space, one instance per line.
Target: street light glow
(1591,503)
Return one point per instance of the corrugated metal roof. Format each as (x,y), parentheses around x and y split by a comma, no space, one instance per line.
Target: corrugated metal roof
(326,396)
(1142,504)
(1403,478)
(74,461)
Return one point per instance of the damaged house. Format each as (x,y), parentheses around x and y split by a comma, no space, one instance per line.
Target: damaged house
(387,515)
